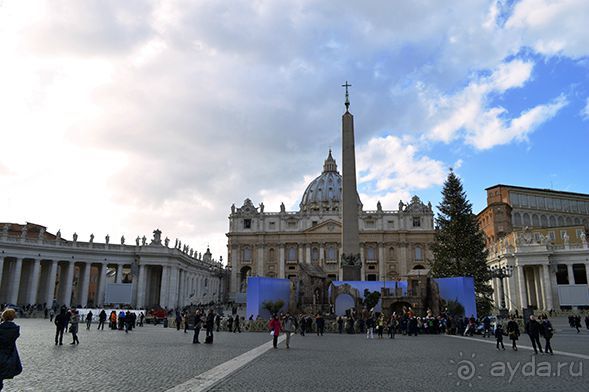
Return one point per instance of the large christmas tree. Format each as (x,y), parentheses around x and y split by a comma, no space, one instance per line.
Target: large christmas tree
(459,247)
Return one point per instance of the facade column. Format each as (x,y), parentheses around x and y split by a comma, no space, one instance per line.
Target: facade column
(362,263)
(180,295)
(382,274)
(538,288)
(50,289)
(85,285)
(119,273)
(34,286)
(322,254)
(523,300)
(511,304)
(102,270)
(281,263)
(173,292)
(14,287)
(301,258)
(308,253)
(234,271)
(69,282)
(1,272)
(260,260)
(164,287)
(141,287)
(570,274)
(547,287)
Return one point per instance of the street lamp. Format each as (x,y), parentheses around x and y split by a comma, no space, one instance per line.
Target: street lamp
(502,273)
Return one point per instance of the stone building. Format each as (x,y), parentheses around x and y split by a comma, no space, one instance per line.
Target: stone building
(37,267)
(271,244)
(542,235)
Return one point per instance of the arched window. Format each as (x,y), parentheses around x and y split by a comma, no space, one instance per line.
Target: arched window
(391,253)
(535,220)
(271,254)
(418,253)
(419,267)
(331,252)
(245,272)
(577,221)
(560,221)
(517,219)
(291,253)
(247,254)
(552,221)
(315,254)
(370,253)
(569,221)
(526,219)
(543,221)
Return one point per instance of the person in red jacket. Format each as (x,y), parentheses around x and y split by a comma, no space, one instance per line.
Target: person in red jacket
(275,327)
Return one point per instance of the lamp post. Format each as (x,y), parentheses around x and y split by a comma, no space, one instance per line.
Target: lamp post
(502,273)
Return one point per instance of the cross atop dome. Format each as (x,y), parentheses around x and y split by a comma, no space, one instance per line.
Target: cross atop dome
(329,165)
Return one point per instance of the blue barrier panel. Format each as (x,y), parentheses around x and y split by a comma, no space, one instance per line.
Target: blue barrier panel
(260,289)
(459,289)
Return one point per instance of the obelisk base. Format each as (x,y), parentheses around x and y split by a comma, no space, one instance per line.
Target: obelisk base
(351,272)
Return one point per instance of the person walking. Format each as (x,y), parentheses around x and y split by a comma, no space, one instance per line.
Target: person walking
(275,327)
(141,318)
(10,365)
(547,333)
(302,324)
(209,325)
(218,321)
(380,325)
(237,323)
(88,320)
(578,323)
(487,327)
(320,323)
(533,331)
(101,319)
(392,325)
(289,327)
(74,321)
(51,315)
(499,336)
(61,323)
(178,320)
(513,332)
(113,320)
(340,325)
(197,327)
(370,326)
(230,323)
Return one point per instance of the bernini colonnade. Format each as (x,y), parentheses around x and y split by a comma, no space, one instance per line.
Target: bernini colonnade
(37,268)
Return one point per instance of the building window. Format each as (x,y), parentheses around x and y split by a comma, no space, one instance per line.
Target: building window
(580,273)
(551,235)
(331,277)
(517,219)
(562,275)
(562,234)
(543,221)
(247,223)
(272,225)
(292,224)
(416,221)
(331,253)
(552,221)
(371,278)
(419,267)
(291,254)
(391,224)
(526,219)
(535,220)
(314,254)
(247,254)
(371,253)
(272,254)
(314,223)
(371,267)
(370,224)
(560,221)
(418,253)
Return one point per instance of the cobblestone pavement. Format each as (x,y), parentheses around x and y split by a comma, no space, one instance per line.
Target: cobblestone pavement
(156,359)
(423,363)
(151,358)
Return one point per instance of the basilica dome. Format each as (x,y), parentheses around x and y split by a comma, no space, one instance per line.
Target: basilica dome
(324,193)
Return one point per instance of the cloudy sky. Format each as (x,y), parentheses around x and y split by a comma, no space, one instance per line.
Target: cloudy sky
(120,117)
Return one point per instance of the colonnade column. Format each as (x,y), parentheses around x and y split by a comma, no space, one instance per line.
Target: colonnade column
(1,271)
(570,273)
(260,260)
(547,287)
(51,283)
(234,267)
(69,282)
(173,292)
(34,285)
(13,297)
(85,284)
(522,287)
(180,293)
(164,287)
(141,287)
(101,284)
(308,253)
(119,273)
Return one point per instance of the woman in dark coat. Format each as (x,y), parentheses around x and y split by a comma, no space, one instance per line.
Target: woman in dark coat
(10,365)
(513,332)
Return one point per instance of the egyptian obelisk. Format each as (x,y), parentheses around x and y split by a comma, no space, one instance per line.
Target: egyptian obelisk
(351,263)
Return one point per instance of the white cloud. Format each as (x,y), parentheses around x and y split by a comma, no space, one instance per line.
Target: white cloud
(585,111)
(467,113)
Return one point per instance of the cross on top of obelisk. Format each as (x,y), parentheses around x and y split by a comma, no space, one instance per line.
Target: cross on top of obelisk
(347,95)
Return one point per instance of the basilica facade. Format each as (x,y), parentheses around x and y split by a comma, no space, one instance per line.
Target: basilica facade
(278,244)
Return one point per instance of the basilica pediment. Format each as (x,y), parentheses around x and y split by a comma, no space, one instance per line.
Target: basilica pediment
(328,226)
